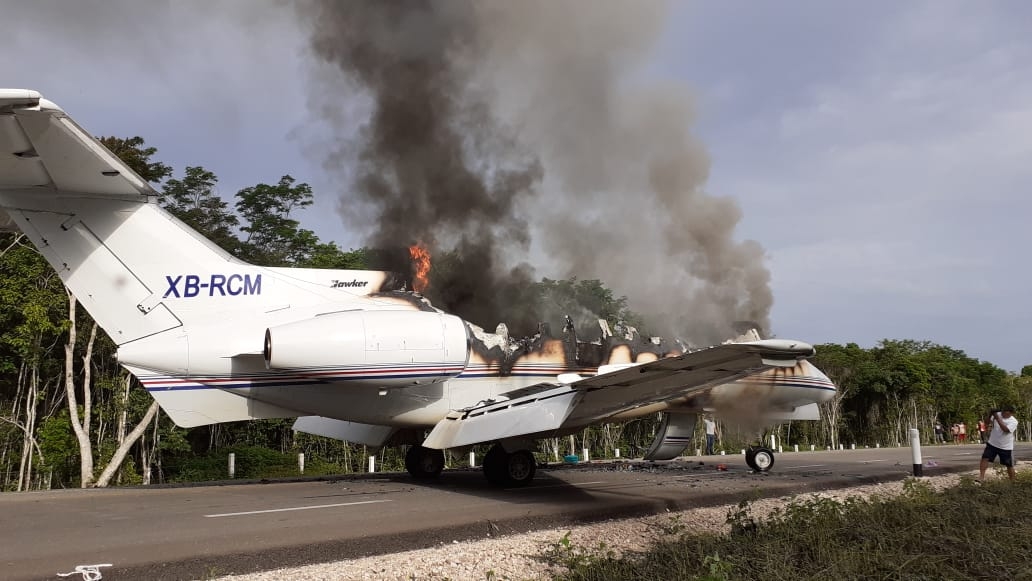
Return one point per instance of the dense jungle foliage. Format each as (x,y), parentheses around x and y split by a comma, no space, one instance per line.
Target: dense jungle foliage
(69,416)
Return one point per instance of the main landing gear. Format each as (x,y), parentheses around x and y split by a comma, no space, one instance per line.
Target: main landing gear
(424,463)
(759,458)
(509,469)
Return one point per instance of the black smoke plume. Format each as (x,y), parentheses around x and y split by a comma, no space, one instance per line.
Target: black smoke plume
(434,166)
(502,133)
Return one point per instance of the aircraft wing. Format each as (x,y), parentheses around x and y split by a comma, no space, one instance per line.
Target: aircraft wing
(578,403)
(43,150)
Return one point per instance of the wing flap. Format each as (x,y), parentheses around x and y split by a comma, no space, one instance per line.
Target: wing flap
(541,412)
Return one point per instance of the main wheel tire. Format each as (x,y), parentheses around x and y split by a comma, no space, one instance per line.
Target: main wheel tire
(509,470)
(521,469)
(750,458)
(495,463)
(762,459)
(424,463)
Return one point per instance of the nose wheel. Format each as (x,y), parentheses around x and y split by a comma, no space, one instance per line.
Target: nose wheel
(759,458)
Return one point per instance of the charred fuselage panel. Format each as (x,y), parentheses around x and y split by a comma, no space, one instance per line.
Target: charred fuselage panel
(546,353)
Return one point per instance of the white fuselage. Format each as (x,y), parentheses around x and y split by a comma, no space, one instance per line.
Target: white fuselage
(397,394)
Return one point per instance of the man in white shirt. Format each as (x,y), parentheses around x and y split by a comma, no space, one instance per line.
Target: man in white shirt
(711,433)
(1001,441)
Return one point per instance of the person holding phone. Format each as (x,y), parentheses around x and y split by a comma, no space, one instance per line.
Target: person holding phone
(1001,441)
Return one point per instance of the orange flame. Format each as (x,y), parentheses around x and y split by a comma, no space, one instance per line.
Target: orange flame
(421,267)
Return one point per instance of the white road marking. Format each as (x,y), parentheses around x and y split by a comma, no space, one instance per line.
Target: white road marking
(870,461)
(293,508)
(804,466)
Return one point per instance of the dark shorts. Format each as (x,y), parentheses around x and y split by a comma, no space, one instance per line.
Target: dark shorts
(991,452)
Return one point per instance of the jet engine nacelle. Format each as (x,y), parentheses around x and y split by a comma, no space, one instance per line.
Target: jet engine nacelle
(389,347)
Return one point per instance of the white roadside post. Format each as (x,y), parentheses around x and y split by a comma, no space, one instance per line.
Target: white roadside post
(232,465)
(585,456)
(616,452)
(795,447)
(915,449)
(472,459)
(372,463)
(301,462)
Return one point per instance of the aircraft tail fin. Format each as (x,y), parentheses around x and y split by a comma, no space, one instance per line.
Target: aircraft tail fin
(94,219)
(128,261)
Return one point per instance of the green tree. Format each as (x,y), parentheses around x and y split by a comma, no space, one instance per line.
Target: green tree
(1022,389)
(31,320)
(585,301)
(133,153)
(195,200)
(273,237)
(329,255)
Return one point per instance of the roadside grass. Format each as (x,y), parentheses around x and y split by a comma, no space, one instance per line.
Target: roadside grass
(970,531)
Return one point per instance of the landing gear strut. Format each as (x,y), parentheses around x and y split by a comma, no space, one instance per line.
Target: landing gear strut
(759,458)
(509,470)
(424,463)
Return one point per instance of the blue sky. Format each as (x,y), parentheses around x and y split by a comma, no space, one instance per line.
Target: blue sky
(880,151)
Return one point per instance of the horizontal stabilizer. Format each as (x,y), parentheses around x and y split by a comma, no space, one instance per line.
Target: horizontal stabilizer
(533,414)
(354,432)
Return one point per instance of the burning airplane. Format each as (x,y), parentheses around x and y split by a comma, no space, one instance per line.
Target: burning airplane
(214,339)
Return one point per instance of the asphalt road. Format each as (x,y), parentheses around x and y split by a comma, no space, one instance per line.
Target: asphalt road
(198,532)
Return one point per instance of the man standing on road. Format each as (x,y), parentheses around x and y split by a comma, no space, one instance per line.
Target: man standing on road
(711,433)
(1001,441)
